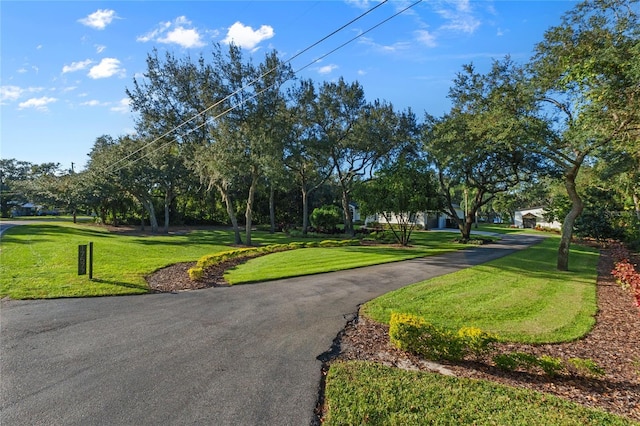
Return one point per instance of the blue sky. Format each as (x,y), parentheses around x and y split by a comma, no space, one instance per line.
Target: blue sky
(65,65)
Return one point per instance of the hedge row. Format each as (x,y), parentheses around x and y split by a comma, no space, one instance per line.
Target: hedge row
(197,272)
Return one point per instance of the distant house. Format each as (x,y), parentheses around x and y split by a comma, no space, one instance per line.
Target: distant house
(355,211)
(427,220)
(532,218)
(26,209)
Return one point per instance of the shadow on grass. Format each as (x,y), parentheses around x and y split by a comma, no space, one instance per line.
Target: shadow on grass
(9,239)
(121,284)
(37,229)
(390,251)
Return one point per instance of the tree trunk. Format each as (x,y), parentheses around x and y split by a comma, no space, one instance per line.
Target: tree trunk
(272,209)
(228,202)
(305,211)
(465,226)
(348,222)
(569,220)
(168,196)
(153,220)
(249,211)
(636,204)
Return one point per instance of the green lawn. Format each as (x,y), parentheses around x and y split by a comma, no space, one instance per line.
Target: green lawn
(318,260)
(359,393)
(39,260)
(521,297)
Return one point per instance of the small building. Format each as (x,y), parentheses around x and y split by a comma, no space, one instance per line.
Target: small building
(24,209)
(426,220)
(532,218)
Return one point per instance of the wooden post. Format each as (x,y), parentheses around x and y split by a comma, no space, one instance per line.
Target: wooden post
(82,259)
(90,261)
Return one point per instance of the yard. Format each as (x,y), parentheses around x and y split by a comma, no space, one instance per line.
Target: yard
(521,298)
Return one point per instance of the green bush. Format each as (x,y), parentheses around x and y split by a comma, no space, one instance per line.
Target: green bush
(413,334)
(551,366)
(585,367)
(326,217)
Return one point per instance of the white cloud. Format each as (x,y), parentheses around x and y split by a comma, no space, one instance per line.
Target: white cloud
(13,93)
(386,48)
(122,106)
(184,37)
(426,38)
(245,37)
(76,66)
(180,32)
(10,93)
(362,72)
(460,19)
(108,67)
(39,104)
(100,48)
(152,35)
(91,103)
(327,69)
(99,19)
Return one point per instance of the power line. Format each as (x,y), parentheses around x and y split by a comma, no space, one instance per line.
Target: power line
(184,123)
(231,108)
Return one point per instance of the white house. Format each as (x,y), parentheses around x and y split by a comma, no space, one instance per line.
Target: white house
(534,217)
(427,220)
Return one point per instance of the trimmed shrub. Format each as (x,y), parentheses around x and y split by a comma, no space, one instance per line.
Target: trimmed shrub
(551,366)
(326,217)
(197,272)
(413,334)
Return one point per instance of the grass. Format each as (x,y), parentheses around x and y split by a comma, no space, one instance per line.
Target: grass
(521,297)
(319,260)
(498,228)
(367,393)
(39,260)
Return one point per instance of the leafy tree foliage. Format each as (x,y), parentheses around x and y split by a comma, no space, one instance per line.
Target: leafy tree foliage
(586,69)
(12,174)
(399,192)
(303,153)
(479,146)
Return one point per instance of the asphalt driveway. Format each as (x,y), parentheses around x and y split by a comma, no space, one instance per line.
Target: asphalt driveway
(242,355)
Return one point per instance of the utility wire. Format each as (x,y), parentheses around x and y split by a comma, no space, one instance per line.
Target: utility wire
(246,86)
(232,107)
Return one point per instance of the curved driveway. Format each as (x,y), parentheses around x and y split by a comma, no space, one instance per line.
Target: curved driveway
(242,355)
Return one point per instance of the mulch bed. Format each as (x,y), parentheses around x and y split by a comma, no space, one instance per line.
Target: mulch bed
(614,344)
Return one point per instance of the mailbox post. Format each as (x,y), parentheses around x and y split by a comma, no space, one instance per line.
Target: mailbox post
(82,259)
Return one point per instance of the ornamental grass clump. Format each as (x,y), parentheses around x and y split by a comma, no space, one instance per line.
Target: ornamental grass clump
(413,334)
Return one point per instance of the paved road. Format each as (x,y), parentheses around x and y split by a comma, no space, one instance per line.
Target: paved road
(243,355)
